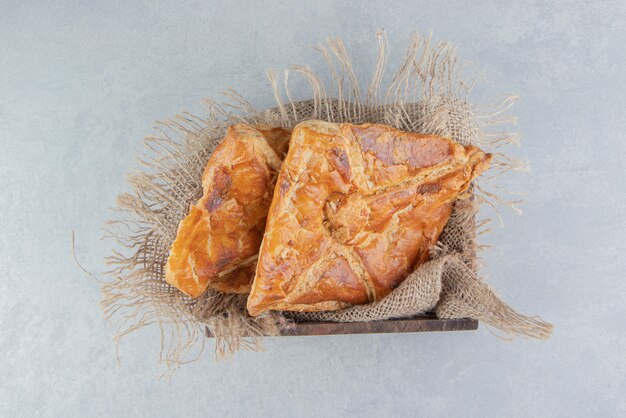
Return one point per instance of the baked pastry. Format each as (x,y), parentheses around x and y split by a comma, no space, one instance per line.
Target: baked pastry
(355,209)
(218,241)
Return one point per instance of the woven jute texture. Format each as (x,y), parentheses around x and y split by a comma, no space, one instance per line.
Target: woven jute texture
(427,94)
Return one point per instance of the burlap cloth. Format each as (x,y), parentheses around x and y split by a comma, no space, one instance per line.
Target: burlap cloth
(428,94)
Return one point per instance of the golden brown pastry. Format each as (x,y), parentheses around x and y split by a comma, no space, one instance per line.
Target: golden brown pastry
(218,241)
(355,210)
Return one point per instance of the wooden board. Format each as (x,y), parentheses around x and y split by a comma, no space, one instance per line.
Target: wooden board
(421,324)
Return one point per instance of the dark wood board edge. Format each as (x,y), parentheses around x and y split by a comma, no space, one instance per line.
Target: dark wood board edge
(422,324)
(381,327)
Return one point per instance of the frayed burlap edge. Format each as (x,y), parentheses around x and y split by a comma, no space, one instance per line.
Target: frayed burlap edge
(427,94)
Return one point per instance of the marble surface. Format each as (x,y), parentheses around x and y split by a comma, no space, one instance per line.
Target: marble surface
(82,82)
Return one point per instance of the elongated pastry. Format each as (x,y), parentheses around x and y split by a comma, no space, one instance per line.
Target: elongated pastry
(355,209)
(217,243)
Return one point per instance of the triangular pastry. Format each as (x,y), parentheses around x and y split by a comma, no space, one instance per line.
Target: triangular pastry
(218,241)
(355,210)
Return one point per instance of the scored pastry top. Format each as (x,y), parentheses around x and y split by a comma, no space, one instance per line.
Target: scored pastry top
(355,210)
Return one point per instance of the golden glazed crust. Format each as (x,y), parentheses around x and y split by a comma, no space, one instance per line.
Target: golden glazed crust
(355,210)
(218,241)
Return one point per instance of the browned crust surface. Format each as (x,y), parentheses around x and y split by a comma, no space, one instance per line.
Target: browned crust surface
(355,210)
(218,241)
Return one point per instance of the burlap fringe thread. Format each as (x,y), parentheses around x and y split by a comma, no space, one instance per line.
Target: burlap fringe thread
(427,94)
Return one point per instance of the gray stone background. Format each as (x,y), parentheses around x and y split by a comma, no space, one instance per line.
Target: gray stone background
(82,82)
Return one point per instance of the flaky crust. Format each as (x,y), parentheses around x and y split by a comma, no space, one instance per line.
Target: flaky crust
(218,241)
(355,210)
